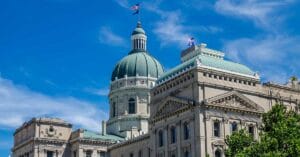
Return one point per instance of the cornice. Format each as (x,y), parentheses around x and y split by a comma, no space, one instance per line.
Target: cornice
(244,91)
(270,84)
(41,141)
(128,118)
(130,141)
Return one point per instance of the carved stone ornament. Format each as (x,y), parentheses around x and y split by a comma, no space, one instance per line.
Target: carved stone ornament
(172,106)
(51,131)
(236,101)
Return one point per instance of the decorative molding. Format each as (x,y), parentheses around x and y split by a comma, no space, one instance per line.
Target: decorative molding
(171,106)
(234,101)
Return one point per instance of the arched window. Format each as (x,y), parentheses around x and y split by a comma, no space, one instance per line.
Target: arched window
(186,131)
(234,127)
(173,134)
(186,154)
(217,128)
(218,153)
(113,109)
(131,106)
(160,138)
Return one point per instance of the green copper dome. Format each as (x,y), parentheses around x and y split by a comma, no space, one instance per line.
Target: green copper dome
(137,63)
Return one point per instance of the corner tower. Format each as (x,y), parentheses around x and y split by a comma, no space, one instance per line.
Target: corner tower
(131,81)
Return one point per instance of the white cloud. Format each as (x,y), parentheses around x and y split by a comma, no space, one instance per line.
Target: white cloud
(273,51)
(19,104)
(171,29)
(260,11)
(100,92)
(273,55)
(110,38)
(123,3)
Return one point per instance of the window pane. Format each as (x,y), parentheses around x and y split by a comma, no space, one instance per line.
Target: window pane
(234,127)
(131,106)
(50,154)
(217,129)
(186,131)
(173,135)
(217,153)
(102,154)
(186,154)
(88,154)
(251,130)
(160,138)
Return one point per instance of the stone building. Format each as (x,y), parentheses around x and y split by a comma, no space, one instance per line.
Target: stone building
(186,111)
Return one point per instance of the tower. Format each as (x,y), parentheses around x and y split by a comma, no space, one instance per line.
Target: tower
(131,81)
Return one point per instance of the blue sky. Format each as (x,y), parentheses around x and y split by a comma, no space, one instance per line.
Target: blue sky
(56,56)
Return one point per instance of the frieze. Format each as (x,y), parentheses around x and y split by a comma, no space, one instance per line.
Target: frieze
(234,101)
(170,107)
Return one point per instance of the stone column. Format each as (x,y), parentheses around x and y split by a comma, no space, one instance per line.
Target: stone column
(80,152)
(35,152)
(154,144)
(166,142)
(94,153)
(209,134)
(193,137)
(179,137)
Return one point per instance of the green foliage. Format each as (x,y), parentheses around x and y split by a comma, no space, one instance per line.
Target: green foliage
(237,142)
(294,78)
(280,136)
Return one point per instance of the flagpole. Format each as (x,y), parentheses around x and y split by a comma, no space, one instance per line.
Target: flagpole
(139,18)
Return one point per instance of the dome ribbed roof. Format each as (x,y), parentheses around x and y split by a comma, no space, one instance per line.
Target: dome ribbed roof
(137,63)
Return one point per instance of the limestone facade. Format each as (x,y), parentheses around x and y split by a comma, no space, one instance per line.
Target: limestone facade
(186,112)
(41,137)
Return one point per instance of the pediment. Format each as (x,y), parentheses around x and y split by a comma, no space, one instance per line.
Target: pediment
(234,100)
(171,106)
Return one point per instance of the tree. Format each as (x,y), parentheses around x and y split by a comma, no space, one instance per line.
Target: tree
(280,136)
(236,142)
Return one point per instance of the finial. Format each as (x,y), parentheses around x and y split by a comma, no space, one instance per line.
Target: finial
(139,24)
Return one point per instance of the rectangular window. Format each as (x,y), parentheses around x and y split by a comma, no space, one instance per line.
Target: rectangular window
(88,153)
(234,127)
(173,135)
(160,138)
(186,131)
(102,154)
(50,154)
(251,130)
(217,129)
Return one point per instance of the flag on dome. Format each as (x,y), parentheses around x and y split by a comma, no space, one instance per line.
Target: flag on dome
(136,8)
(191,42)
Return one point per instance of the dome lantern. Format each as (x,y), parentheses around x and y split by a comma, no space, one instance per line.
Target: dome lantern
(138,38)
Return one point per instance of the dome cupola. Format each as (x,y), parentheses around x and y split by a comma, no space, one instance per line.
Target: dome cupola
(138,62)
(138,38)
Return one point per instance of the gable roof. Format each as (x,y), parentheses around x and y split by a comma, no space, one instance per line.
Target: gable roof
(234,100)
